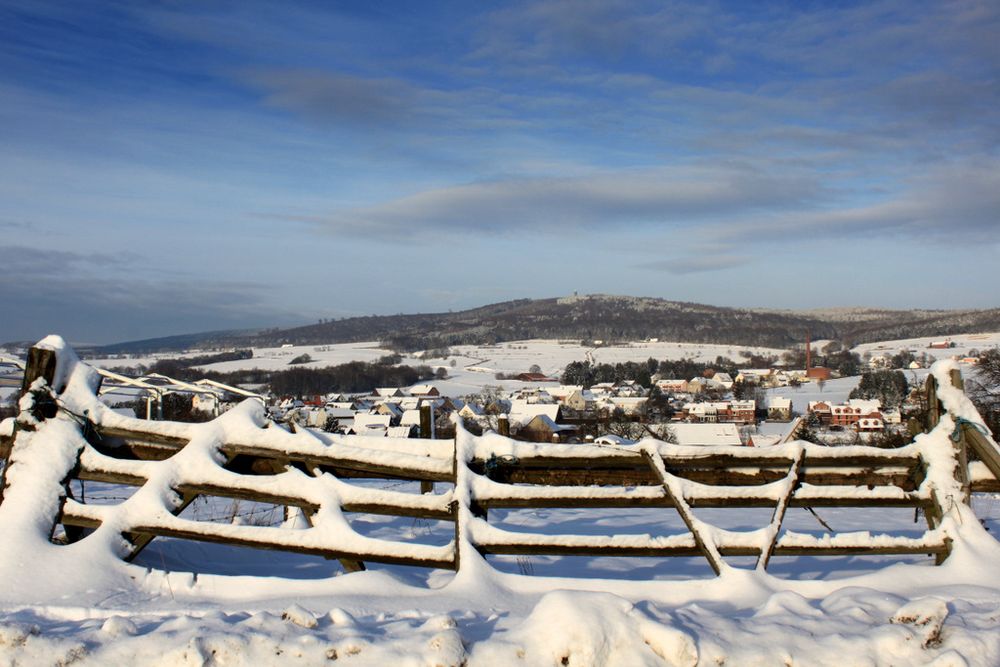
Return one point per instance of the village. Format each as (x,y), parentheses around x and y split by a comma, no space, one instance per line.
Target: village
(752,407)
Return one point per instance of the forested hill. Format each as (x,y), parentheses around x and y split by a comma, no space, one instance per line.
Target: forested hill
(601,317)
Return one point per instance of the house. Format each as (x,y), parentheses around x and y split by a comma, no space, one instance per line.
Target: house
(870,425)
(542,428)
(850,415)
(706,434)
(563,391)
(697,385)
(704,413)
(471,411)
(630,405)
(388,392)
(410,418)
(369,424)
(822,410)
(672,386)
(779,409)
(761,376)
(865,404)
(892,417)
(533,395)
(522,412)
(388,409)
(579,400)
(819,373)
(723,379)
(320,417)
(743,412)
(424,390)
(628,389)
(603,389)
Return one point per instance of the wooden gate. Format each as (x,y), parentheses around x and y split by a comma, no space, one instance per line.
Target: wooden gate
(64,433)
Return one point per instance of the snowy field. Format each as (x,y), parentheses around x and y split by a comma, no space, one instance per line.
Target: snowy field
(475,366)
(964,345)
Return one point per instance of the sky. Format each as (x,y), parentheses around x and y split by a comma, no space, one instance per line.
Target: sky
(177,167)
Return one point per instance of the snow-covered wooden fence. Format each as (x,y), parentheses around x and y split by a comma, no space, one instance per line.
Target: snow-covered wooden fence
(65,433)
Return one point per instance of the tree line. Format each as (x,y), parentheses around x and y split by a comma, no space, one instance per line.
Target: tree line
(352,377)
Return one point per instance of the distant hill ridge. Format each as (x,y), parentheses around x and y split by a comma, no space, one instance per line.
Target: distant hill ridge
(599,317)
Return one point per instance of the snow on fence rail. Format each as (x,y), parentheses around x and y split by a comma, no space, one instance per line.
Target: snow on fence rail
(64,433)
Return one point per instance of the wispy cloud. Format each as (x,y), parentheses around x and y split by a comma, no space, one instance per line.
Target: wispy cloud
(604,201)
(952,203)
(697,262)
(334,97)
(14,224)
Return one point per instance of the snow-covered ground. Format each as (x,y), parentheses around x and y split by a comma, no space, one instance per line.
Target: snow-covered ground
(184,603)
(964,345)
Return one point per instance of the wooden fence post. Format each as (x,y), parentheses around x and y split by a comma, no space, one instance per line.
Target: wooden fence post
(933,407)
(41,363)
(426,432)
(961,447)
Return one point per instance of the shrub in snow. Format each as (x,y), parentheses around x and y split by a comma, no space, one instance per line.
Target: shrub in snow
(926,616)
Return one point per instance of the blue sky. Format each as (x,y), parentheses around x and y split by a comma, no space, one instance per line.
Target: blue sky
(175,167)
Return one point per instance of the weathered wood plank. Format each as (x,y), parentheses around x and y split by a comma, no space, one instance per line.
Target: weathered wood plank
(983,448)
(986,486)
(779,512)
(336,457)
(263,543)
(556,549)
(270,497)
(893,476)
(701,503)
(677,462)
